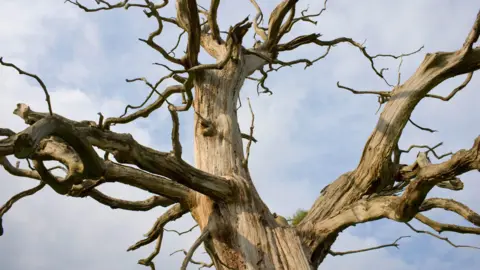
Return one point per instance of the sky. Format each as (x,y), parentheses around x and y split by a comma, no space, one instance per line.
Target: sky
(309,132)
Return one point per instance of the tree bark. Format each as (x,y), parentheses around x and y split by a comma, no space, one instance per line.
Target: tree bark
(244,234)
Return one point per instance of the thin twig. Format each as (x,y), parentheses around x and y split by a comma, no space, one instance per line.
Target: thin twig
(341,253)
(430,149)
(184,232)
(439,237)
(249,144)
(455,91)
(15,198)
(40,82)
(422,128)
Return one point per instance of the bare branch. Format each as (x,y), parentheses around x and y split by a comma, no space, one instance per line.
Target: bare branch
(81,160)
(248,137)
(184,232)
(148,261)
(107,7)
(422,128)
(83,163)
(454,184)
(115,203)
(187,17)
(122,4)
(307,62)
(171,214)
(172,51)
(202,264)
(398,56)
(383,96)
(313,39)
(430,149)
(394,244)
(6,132)
(218,65)
(153,90)
(198,242)
(307,17)
(275,22)
(429,175)
(439,237)
(249,144)
(15,198)
(455,91)
(145,112)
(258,19)
(40,82)
(212,20)
(177,147)
(442,227)
(162,51)
(472,36)
(452,206)
(126,150)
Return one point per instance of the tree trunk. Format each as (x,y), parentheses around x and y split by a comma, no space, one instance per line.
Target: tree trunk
(244,234)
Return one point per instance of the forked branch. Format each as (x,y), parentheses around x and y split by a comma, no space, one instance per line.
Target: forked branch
(171,214)
(439,237)
(188,257)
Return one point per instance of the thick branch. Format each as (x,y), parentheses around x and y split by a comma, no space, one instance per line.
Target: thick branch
(275,22)
(212,20)
(428,175)
(442,227)
(176,145)
(452,206)
(187,17)
(126,150)
(115,203)
(257,20)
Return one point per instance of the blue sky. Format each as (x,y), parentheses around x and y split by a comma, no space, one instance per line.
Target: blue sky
(309,131)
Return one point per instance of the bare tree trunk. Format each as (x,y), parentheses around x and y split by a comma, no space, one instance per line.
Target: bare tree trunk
(244,232)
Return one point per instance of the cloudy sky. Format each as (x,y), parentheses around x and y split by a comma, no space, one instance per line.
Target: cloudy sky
(309,131)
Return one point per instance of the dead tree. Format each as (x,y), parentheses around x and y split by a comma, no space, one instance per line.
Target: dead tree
(238,229)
